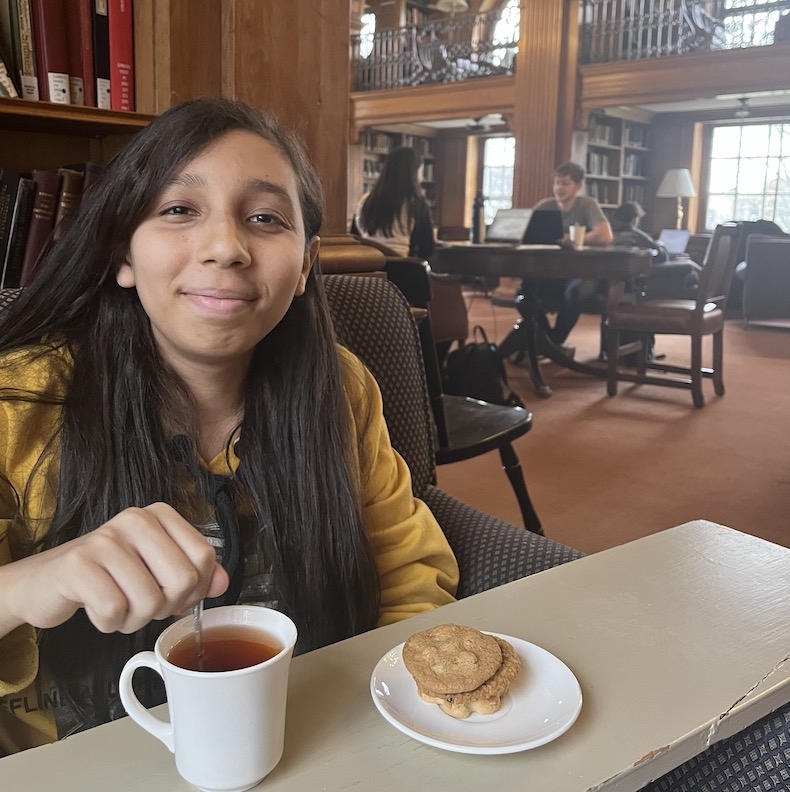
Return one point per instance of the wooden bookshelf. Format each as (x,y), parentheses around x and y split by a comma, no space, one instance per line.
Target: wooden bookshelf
(19,115)
(377,143)
(618,151)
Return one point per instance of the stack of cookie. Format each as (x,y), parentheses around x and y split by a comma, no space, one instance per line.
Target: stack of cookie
(461,669)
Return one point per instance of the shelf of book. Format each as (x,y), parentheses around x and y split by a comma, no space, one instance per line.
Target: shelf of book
(617,160)
(19,115)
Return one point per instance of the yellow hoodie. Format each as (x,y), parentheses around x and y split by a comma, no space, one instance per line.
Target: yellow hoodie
(417,569)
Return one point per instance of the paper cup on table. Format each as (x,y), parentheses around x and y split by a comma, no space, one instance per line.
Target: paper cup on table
(227,727)
(576,233)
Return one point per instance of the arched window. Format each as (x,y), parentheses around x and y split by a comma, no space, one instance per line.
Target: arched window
(506,32)
(366,33)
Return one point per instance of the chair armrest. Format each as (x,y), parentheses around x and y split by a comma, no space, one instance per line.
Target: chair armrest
(491,552)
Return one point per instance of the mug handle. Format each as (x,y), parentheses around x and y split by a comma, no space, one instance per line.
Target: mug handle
(162,730)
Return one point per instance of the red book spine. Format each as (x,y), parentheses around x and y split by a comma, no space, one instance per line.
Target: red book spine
(52,56)
(42,222)
(80,46)
(121,54)
(86,48)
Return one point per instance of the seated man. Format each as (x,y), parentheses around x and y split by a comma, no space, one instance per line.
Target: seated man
(566,297)
(668,278)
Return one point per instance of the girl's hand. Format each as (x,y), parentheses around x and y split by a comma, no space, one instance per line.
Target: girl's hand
(143,564)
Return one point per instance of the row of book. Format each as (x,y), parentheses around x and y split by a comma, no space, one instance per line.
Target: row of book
(633,165)
(77,52)
(31,207)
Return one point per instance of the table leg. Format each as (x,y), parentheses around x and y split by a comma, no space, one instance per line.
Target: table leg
(523,339)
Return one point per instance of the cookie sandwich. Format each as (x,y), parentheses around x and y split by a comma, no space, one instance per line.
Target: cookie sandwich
(461,669)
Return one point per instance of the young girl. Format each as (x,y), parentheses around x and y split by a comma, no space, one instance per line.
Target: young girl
(395,213)
(173,364)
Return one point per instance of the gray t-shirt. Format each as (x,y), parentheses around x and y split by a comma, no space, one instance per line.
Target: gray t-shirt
(585,211)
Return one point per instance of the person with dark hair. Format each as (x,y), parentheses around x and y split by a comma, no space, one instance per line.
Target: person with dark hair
(173,364)
(668,278)
(395,213)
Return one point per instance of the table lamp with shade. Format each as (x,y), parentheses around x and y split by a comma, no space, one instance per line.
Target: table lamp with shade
(677,184)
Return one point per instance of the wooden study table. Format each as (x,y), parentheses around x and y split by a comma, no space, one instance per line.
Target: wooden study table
(615,266)
(676,640)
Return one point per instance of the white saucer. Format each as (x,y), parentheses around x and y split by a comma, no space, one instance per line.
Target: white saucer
(543,703)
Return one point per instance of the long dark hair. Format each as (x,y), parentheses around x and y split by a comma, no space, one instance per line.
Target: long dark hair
(396,187)
(113,449)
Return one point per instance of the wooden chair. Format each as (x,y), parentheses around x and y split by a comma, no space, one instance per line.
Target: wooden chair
(694,318)
(463,427)
(373,319)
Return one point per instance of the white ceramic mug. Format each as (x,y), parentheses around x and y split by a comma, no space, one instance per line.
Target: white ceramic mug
(576,233)
(226,728)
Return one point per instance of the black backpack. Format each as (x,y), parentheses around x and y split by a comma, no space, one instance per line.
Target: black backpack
(477,370)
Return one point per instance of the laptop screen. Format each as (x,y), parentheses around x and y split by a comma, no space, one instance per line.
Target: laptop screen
(509,225)
(674,239)
(545,228)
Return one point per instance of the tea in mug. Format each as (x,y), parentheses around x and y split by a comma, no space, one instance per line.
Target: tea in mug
(225,648)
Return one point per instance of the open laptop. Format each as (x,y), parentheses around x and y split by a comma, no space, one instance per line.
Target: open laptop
(514,227)
(544,228)
(675,241)
(508,227)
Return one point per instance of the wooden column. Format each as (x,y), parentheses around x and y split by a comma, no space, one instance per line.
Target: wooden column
(545,88)
(177,52)
(292,59)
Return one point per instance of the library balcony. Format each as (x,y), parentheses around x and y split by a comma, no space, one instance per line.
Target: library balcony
(451,49)
(469,46)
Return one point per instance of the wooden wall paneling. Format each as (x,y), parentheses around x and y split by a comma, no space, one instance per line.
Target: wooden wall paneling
(433,102)
(539,88)
(24,152)
(293,60)
(674,144)
(682,77)
(145,68)
(178,52)
(452,164)
(195,47)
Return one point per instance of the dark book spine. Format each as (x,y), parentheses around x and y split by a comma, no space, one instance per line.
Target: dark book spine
(41,222)
(101,53)
(121,55)
(74,50)
(52,57)
(9,183)
(69,194)
(20,223)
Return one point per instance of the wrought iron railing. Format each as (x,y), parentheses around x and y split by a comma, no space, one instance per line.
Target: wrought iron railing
(459,47)
(615,30)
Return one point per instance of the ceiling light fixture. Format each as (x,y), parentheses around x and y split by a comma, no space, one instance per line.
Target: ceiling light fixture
(743,110)
(452,6)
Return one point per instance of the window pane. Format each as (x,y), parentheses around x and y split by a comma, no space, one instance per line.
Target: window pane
(721,208)
(782,211)
(752,166)
(723,176)
(751,176)
(748,207)
(726,141)
(498,159)
(754,139)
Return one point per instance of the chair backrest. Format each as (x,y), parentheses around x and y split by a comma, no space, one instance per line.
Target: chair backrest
(719,266)
(373,320)
(343,253)
(766,281)
(413,277)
